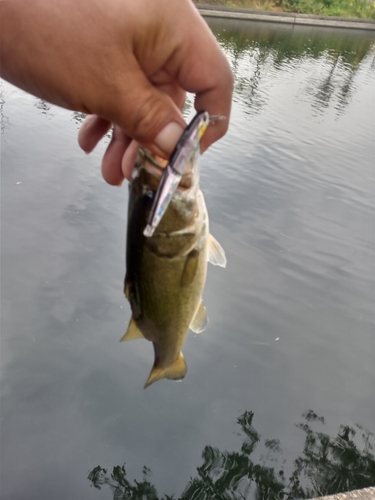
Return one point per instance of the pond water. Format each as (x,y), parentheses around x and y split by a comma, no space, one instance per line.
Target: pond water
(285,369)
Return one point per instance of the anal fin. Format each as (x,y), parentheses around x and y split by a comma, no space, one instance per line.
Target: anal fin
(133,332)
(200,320)
(176,371)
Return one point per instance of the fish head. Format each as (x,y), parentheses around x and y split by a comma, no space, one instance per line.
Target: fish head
(149,169)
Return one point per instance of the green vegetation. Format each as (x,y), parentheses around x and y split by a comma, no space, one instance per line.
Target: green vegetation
(343,8)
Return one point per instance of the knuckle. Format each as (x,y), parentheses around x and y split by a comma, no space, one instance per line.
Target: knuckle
(147,118)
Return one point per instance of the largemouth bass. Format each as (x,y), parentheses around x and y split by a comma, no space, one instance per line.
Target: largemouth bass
(166,272)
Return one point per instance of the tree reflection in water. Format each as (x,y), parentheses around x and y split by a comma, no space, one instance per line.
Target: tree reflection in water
(328,465)
(255,49)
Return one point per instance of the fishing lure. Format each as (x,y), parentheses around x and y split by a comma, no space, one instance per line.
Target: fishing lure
(172,174)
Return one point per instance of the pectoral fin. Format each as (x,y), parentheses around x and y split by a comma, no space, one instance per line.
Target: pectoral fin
(200,319)
(133,332)
(176,371)
(216,254)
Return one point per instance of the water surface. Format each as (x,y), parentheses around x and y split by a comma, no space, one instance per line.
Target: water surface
(290,193)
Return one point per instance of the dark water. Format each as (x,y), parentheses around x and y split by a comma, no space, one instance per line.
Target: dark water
(279,396)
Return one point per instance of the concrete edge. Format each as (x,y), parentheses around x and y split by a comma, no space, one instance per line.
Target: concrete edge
(286,17)
(364,494)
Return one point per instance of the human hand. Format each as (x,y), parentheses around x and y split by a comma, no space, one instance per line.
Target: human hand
(124,62)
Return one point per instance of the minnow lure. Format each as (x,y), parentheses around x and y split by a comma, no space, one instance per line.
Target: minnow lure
(172,174)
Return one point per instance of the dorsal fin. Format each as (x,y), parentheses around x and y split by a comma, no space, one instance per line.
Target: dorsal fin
(216,254)
(133,332)
(176,371)
(130,291)
(200,319)
(127,289)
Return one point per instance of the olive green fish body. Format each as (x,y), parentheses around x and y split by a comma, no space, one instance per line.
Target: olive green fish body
(166,272)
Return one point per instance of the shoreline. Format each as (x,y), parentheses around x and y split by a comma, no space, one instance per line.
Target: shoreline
(363,494)
(286,17)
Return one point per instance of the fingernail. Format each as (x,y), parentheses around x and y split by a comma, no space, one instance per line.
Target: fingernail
(167,139)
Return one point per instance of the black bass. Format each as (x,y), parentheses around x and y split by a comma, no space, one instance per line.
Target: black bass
(166,272)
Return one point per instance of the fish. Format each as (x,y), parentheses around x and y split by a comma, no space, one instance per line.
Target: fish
(166,271)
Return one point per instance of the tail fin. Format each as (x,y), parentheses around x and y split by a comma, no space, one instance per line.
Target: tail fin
(176,371)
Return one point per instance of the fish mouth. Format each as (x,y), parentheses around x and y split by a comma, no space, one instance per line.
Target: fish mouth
(155,165)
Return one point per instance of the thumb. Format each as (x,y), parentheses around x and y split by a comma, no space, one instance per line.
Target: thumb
(145,113)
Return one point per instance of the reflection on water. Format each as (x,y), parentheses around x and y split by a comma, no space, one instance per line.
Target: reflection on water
(44,107)
(78,117)
(258,50)
(328,465)
(4,120)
